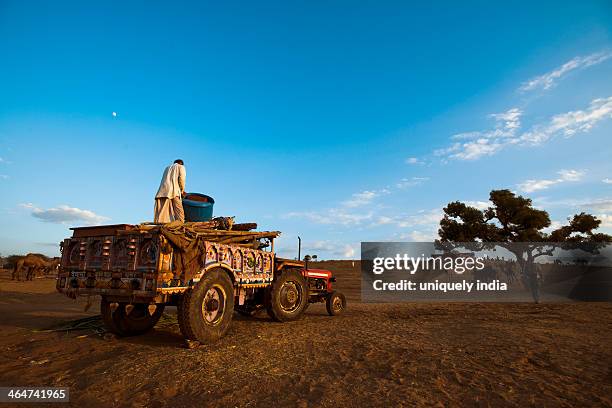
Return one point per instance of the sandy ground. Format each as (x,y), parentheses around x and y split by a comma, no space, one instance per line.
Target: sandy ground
(374,355)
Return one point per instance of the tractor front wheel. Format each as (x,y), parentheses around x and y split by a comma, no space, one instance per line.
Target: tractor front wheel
(336,303)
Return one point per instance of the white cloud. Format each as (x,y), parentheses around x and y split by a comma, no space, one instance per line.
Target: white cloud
(606,220)
(481,205)
(4,177)
(422,217)
(466,135)
(570,123)
(340,216)
(511,119)
(343,215)
(477,149)
(422,226)
(602,204)
(348,251)
(319,246)
(364,198)
(505,125)
(384,220)
(570,175)
(413,160)
(333,216)
(419,236)
(553,226)
(329,248)
(65,214)
(475,145)
(429,218)
(549,79)
(411,182)
(485,143)
(601,208)
(607,180)
(532,185)
(360,199)
(529,186)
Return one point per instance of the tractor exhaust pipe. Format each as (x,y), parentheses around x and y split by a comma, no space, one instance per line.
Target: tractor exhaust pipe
(299,248)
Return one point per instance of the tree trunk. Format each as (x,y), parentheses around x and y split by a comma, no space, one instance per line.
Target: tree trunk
(531,277)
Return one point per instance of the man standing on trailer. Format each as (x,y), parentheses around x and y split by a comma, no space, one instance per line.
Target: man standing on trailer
(168,200)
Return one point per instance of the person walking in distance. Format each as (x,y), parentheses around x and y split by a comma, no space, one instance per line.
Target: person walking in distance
(168,200)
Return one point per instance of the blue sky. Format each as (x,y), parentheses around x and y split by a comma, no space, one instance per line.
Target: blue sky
(339,121)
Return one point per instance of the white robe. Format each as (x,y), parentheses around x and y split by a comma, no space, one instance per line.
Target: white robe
(173,182)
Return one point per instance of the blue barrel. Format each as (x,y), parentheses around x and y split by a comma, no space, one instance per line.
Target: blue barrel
(198,207)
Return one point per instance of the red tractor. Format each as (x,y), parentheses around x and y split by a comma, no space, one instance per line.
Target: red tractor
(321,290)
(294,276)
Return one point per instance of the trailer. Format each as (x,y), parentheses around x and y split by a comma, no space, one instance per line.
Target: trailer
(208,270)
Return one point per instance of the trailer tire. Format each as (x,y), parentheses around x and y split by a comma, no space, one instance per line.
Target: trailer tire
(181,315)
(138,321)
(335,304)
(246,311)
(207,309)
(287,298)
(107,316)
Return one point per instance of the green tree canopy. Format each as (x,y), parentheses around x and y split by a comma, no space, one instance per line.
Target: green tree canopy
(513,223)
(513,218)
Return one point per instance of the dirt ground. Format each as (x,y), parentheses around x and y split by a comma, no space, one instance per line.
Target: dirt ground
(374,355)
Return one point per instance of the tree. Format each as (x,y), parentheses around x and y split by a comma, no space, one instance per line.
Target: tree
(514,224)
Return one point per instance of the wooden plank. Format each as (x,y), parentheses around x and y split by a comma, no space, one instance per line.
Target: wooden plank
(100,230)
(246,226)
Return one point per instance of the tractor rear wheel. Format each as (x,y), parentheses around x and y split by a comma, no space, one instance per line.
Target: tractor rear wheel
(130,319)
(207,309)
(336,303)
(287,298)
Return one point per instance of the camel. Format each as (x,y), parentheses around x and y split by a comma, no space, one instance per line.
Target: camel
(34,263)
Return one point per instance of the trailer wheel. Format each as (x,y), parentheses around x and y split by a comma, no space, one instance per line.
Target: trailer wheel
(130,319)
(107,316)
(207,309)
(137,318)
(181,316)
(246,311)
(336,303)
(287,298)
